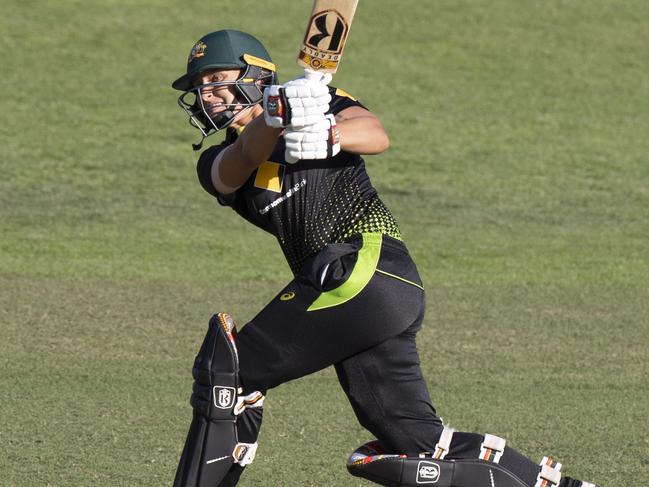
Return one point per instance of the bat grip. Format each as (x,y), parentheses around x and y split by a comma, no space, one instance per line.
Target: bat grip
(312,75)
(319,76)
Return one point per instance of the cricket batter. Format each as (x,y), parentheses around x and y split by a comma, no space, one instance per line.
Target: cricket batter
(291,164)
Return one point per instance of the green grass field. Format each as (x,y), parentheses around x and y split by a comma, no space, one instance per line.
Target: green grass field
(518,171)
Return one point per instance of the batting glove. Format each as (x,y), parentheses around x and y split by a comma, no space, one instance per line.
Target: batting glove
(301,102)
(320,140)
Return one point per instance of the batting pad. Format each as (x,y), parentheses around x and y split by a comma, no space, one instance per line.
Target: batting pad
(370,462)
(212,438)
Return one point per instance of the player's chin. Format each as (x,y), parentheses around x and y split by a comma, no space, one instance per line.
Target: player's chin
(214,111)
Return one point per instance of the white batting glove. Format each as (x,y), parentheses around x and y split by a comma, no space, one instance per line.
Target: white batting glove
(301,102)
(320,140)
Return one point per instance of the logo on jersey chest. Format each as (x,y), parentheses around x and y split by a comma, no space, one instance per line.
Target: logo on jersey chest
(278,201)
(270,176)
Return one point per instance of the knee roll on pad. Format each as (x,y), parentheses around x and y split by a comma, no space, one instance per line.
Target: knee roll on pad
(212,446)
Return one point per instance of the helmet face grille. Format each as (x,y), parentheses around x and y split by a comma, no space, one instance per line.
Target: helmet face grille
(221,50)
(210,118)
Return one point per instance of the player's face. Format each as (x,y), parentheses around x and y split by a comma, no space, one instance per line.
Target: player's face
(218,91)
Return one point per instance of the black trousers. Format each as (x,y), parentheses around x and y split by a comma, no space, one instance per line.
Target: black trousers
(357,306)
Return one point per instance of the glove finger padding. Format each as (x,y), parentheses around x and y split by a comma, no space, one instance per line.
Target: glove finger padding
(298,103)
(307,111)
(308,90)
(310,133)
(300,137)
(320,140)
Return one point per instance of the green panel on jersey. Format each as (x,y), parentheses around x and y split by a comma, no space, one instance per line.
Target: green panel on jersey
(368,259)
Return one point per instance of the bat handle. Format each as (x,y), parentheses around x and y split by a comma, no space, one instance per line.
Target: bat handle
(311,75)
(317,76)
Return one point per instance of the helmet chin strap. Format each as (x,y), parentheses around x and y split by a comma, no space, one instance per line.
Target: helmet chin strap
(223,120)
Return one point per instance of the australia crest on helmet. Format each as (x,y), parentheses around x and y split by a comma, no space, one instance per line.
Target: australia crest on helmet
(198,51)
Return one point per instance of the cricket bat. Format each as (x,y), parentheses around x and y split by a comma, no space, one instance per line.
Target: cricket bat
(326,34)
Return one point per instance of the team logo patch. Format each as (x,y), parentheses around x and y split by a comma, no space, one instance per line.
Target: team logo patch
(427,473)
(270,176)
(197,51)
(223,397)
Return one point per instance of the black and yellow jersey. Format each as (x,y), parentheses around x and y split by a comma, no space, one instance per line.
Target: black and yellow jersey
(308,204)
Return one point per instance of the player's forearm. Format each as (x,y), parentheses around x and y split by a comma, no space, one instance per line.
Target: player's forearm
(257,142)
(254,146)
(363,135)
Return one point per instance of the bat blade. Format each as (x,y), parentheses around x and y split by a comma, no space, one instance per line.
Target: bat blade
(326,34)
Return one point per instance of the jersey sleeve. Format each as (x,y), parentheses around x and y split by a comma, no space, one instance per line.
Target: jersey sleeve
(340,100)
(204,170)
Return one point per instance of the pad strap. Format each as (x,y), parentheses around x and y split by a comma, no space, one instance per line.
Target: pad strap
(444,444)
(253,400)
(244,453)
(492,448)
(550,474)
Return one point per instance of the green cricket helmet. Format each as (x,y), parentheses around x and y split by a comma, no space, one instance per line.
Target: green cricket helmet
(224,49)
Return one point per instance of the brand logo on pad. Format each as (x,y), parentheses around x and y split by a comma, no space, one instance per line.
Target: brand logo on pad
(223,397)
(427,473)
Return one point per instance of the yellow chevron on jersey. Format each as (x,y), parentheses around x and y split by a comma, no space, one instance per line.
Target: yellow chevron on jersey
(270,176)
(340,92)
